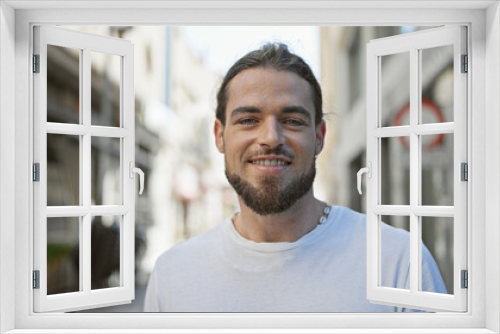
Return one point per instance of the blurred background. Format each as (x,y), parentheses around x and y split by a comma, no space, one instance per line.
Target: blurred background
(178,70)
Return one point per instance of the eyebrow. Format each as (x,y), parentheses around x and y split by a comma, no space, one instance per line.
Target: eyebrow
(286,110)
(244,110)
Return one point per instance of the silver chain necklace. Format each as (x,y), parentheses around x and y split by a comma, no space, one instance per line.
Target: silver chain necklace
(324,216)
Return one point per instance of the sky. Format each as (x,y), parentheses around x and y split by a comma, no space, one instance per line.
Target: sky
(221,46)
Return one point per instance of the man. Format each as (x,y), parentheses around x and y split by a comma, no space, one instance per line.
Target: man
(286,251)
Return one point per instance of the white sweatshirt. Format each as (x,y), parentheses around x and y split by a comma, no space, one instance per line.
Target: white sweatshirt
(324,271)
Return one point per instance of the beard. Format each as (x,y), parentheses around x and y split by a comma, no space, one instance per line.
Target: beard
(272,197)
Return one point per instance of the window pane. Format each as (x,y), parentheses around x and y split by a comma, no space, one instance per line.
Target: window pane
(394,235)
(437,169)
(437,236)
(437,84)
(395,171)
(395,89)
(105,95)
(106,185)
(63,85)
(63,170)
(105,253)
(63,255)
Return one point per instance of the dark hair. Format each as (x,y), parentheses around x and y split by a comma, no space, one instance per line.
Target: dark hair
(275,56)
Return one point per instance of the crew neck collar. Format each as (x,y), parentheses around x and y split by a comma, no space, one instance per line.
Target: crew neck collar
(273,247)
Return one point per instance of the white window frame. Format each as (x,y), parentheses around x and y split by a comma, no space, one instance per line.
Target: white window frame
(16,214)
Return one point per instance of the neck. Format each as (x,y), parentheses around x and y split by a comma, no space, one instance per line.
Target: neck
(287,226)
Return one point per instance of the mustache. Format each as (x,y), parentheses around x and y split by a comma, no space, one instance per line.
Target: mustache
(280,150)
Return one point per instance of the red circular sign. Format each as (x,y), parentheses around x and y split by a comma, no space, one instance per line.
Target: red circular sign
(427,105)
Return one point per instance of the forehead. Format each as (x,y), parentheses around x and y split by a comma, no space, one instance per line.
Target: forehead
(267,86)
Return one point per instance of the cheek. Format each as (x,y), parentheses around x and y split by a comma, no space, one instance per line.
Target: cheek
(307,153)
(304,143)
(232,152)
(237,145)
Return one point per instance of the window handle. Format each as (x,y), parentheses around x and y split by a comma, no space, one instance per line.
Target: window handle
(361,172)
(135,170)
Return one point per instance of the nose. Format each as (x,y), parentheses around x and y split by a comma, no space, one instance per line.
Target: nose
(271,134)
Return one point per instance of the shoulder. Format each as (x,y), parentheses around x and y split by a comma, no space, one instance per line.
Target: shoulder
(394,234)
(349,221)
(194,250)
(348,226)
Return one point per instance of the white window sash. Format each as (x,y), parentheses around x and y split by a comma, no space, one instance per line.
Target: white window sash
(86,297)
(412,43)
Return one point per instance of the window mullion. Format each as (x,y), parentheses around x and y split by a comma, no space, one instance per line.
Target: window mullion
(66,211)
(414,171)
(108,210)
(85,166)
(433,129)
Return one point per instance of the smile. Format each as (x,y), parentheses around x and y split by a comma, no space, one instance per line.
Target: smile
(267,162)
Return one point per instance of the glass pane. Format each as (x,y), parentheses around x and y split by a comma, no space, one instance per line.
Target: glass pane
(105,253)
(105,95)
(395,251)
(395,89)
(437,169)
(402,222)
(63,85)
(437,84)
(106,185)
(437,236)
(63,170)
(395,171)
(63,255)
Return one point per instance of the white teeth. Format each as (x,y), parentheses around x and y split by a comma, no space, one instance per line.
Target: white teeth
(269,162)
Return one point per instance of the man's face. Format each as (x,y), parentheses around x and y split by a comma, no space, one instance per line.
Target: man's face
(269,140)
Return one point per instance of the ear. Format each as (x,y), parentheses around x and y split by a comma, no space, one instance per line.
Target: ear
(320,136)
(219,135)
